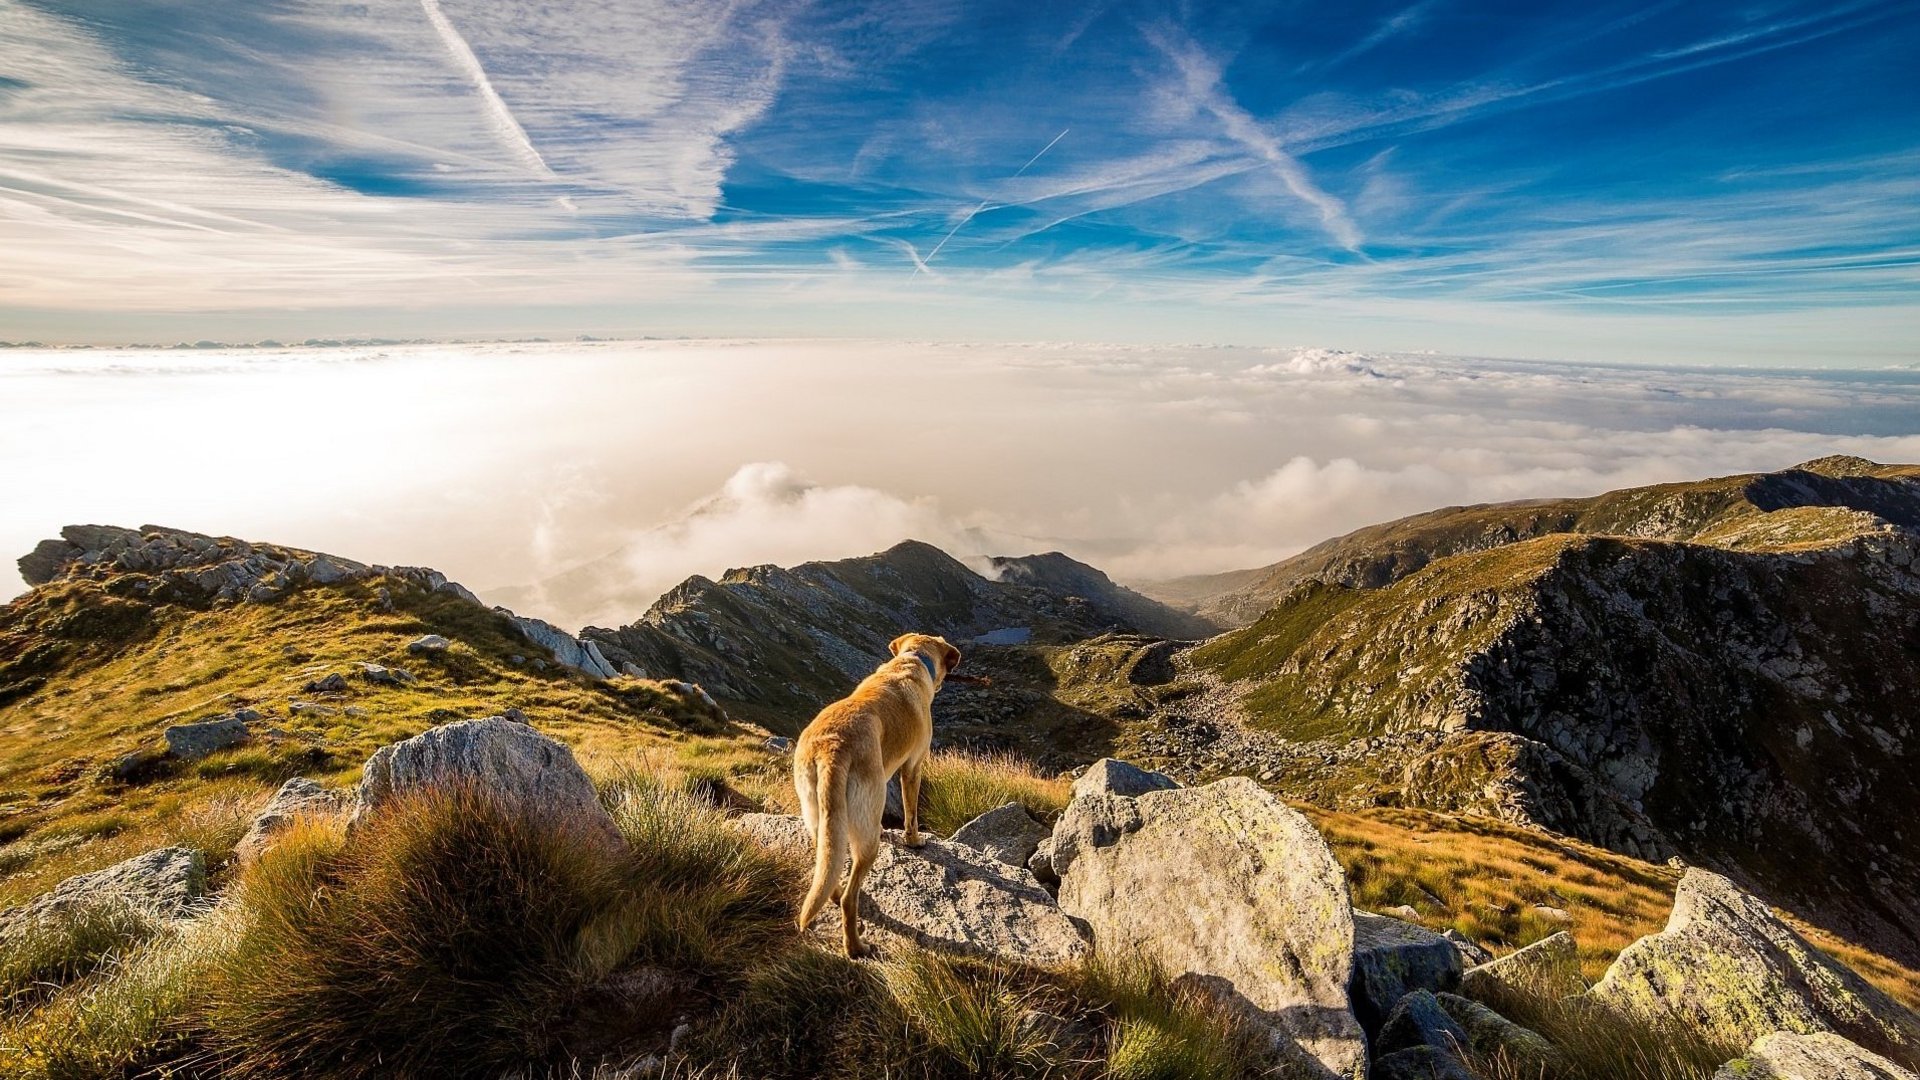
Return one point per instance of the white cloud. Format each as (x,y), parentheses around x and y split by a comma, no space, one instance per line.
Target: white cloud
(685,457)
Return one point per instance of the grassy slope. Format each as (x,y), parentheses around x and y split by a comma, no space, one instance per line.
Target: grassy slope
(60,813)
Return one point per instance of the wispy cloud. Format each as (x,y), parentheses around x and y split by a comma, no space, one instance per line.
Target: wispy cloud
(1201,78)
(510,130)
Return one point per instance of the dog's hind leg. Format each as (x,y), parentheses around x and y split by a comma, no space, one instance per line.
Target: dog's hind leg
(910,775)
(866,846)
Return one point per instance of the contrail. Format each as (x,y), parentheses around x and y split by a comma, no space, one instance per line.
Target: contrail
(504,124)
(921,264)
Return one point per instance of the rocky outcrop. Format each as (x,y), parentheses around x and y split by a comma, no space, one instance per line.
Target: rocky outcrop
(501,759)
(1059,575)
(1007,833)
(297,798)
(1111,776)
(1823,1056)
(191,741)
(166,883)
(1726,967)
(584,656)
(945,896)
(1229,886)
(1548,968)
(220,569)
(1392,959)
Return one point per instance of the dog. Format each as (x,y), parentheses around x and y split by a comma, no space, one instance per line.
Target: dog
(843,761)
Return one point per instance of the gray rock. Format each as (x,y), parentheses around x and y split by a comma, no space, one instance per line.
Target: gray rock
(1418,1020)
(380,675)
(1823,1056)
(945,896)
(334,683)
(777,744)
(1728,968)
(454,588)
(197,740)
(1226,883)
(166,883)
(1491,1036)
(566,648)
(1111,776)
(1548,968)
(1472,953)
(1040,864)
(428,643)
(298,797)
(329,569)
(509,761)
(1391,959)
(1007,833)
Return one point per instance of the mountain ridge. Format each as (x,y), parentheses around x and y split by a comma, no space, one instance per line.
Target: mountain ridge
(1742,696)
(1380,554)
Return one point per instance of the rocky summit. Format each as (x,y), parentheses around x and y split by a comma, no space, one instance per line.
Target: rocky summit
(782,642)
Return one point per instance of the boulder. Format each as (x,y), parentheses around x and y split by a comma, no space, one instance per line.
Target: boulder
(1784,1055)
(298,797)
(197,740)
(428,644)
(508,761)
(1111,776)
(1007,833)
(945,896)
(166,883)
(1391,959)
(381,675)
(1492,1036)
(334,683)
(1727,967)
(1418,1020)
(1227,884)
(1547,968)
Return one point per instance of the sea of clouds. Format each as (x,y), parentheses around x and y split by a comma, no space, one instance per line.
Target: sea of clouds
(579,481)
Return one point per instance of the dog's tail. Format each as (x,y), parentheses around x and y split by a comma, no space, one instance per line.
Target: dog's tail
(830,842)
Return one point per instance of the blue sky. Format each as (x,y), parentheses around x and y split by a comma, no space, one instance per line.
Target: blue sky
(1669,181)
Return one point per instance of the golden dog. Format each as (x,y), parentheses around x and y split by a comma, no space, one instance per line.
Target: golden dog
(844,758)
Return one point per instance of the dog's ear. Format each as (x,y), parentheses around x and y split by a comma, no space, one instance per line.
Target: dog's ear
(953,656)
(898,643)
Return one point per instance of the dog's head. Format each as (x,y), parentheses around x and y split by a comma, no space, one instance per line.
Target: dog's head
(944,656)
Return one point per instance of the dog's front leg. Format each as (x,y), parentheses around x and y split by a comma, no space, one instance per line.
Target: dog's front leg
(910,800)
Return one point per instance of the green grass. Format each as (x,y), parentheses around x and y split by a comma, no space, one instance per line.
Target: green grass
(61,947)
(959,787)
(101,691)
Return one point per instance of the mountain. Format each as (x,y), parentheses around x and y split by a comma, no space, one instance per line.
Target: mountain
(1380,554)
(779,643)
(1723,671)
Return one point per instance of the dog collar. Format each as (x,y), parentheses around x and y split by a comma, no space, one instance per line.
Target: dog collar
(932,672)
